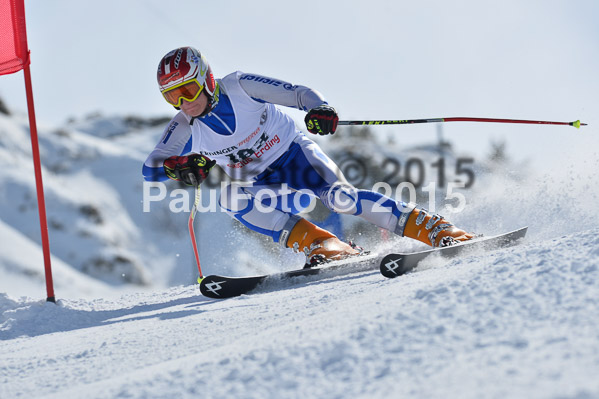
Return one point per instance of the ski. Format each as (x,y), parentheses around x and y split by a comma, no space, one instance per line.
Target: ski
(220,287)
(391,265)
(395,265)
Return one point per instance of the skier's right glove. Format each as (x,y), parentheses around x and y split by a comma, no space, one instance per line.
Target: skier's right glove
(190,169)
(322,120)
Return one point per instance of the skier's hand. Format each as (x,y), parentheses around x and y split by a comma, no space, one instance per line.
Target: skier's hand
(322,120)
(190,169)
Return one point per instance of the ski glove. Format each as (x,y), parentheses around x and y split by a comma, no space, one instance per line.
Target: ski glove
(190,169)
(322,120)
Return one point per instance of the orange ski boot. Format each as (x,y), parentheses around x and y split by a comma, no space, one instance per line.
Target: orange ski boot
(319,245)
(433,230)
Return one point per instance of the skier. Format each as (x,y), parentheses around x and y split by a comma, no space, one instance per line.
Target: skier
(233,122)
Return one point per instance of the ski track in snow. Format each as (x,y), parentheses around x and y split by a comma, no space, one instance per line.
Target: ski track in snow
(520,322)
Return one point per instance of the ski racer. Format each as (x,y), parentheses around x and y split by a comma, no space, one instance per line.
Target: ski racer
(233,122)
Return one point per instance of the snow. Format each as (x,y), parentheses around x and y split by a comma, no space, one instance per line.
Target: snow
(19,272)
(520,322)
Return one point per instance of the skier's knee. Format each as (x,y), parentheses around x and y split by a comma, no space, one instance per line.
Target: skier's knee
(341,198)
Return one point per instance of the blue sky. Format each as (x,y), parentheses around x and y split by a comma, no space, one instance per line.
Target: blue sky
(372,60)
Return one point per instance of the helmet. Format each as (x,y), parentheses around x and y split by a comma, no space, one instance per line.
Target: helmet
(182,75)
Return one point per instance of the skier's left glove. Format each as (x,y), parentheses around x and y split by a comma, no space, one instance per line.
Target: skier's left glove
(322,120)
(190,169)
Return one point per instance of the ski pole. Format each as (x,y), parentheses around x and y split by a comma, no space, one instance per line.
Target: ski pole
(577,124)
(192,232)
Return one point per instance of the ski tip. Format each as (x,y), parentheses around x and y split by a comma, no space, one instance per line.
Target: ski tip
(391,266)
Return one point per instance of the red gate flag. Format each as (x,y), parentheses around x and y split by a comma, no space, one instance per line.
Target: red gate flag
(14,54)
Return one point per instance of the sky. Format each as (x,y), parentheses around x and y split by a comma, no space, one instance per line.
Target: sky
(371,60)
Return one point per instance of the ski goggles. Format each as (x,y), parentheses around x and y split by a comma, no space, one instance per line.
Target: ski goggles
(188,91)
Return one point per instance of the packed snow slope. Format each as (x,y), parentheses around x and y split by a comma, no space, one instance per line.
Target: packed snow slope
(520,322)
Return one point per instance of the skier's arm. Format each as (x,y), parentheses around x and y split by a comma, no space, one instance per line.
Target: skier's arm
(176,140)
(276,91)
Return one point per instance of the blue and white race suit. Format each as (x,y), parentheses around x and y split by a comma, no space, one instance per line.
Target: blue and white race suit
(273,165)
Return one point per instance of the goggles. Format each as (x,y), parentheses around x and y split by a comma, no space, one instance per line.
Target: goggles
(188,91)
